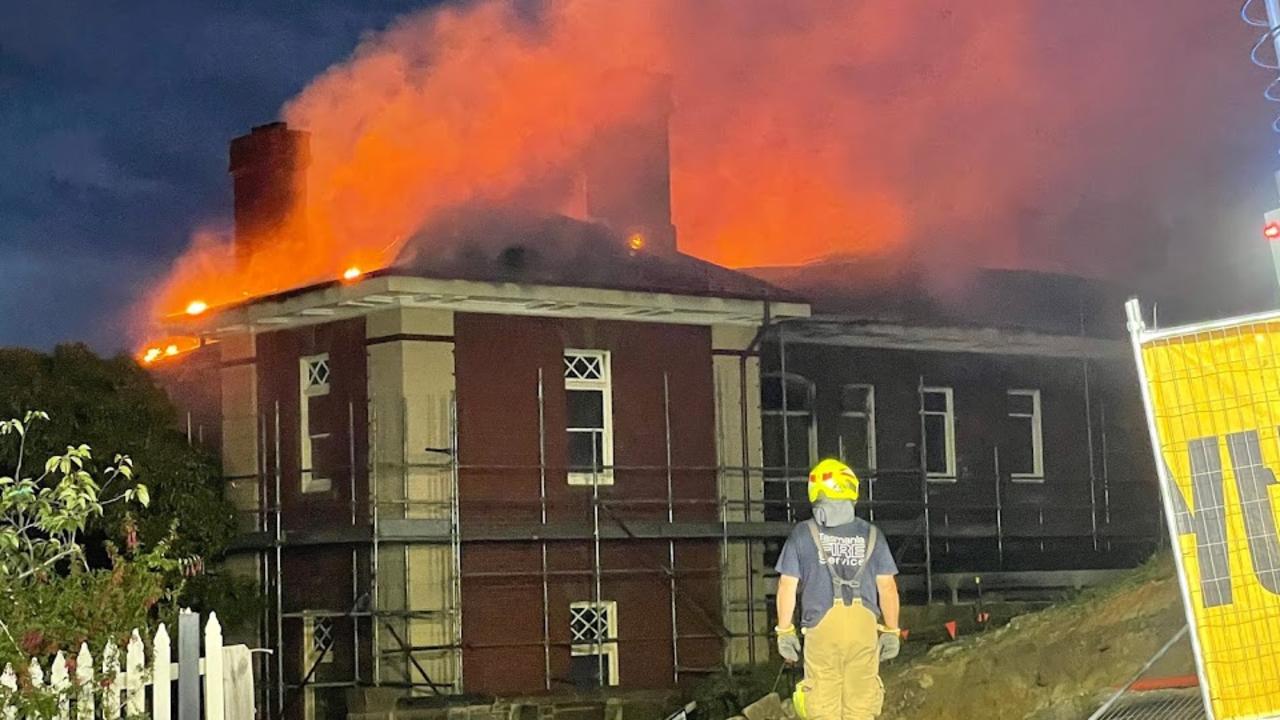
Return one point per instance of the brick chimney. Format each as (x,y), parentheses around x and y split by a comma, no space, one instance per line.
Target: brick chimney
(627,173)
(269,175)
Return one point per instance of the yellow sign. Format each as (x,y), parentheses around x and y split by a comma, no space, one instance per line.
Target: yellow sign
(1213,402)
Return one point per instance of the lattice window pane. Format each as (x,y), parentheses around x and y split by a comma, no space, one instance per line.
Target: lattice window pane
(317,372)
(583,366)
(322,636)
(589,625)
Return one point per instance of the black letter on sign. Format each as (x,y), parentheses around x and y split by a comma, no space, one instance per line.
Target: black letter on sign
(1208,522)
(1253,478)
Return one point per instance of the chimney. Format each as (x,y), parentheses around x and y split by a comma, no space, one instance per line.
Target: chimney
(269,175)
(627,171)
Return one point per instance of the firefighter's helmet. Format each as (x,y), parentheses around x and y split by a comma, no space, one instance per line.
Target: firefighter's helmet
(832,480)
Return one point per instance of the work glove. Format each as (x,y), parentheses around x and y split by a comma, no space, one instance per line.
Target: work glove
(788,644)
(890,645)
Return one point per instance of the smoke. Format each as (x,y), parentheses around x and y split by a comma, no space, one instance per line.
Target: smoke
(800,130)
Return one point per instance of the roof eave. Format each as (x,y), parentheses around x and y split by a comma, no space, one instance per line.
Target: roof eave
(337,300)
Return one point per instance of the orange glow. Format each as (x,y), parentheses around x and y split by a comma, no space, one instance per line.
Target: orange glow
(351,273)
(167,349)
(800,130)
(196,307)
(636,242)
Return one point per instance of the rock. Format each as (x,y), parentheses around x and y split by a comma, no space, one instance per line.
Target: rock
(925,681)
(768,707)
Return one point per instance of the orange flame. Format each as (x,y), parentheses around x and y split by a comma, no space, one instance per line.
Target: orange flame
(799,130)
(168,348)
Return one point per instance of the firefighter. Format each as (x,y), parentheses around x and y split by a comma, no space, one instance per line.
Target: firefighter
(845,571)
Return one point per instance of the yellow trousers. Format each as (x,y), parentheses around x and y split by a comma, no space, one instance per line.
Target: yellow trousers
(842,666)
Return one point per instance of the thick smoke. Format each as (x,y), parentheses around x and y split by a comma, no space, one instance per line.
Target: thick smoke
(800,130)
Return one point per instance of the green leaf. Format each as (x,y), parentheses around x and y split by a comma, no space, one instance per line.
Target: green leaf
(144,496)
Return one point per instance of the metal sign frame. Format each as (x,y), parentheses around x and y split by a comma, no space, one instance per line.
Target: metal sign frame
(1141,337)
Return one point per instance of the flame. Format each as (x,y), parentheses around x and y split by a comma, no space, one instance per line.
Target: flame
(195,307)
(351,273)
(636,242)
(168,348)
(800,130)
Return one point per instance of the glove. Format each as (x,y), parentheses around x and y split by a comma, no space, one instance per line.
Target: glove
(789,644)
(890,645)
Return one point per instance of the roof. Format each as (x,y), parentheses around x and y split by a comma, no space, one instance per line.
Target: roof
(503,245)
(870,291)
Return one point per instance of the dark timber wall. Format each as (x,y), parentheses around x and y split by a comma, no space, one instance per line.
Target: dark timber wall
(1046,525)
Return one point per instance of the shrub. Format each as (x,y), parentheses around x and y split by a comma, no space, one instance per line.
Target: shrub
(53,596)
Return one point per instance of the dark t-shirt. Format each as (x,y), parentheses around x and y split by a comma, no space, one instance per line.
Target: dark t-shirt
(846,550)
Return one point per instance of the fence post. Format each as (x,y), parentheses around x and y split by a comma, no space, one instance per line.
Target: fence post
(134,661)
(84,683)
(161,676)
(60,681)
(188,666)
(9,683)
(111,677)
(214,708)
(37,674)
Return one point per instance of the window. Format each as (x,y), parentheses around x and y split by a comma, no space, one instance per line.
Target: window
(321,633)
(314,371)
(593,631)
(1026,437)
(938,421)
(317,652)
(589,396)
(790,434)
(858,426)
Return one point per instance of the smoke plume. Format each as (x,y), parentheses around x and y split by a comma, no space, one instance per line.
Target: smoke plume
(800,130)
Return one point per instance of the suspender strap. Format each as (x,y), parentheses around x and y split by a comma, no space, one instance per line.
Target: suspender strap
(838,583)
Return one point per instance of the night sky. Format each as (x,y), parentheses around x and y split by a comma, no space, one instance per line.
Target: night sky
(114,120)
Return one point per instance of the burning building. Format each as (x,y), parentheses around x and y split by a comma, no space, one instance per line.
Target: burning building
(537,452)
(997,426)
(524,458)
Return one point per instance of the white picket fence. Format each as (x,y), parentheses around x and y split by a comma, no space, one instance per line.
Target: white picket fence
(111,689)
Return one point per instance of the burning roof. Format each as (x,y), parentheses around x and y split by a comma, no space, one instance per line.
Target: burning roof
(507,245)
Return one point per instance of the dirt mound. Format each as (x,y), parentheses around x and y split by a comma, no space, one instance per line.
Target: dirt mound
(1048,665)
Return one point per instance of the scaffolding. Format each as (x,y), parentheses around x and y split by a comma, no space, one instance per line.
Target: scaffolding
(411,514)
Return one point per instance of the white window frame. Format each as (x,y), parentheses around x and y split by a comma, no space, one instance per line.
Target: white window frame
(868,413)
(1037,435)
(310,624)
(309,655)
(785,414)
(608,646)
(949,426)
(307,390)
(603,385)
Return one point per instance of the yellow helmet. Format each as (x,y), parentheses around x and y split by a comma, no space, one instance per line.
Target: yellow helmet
(833,480)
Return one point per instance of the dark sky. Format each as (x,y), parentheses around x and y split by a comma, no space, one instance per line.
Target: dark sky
(114,119)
